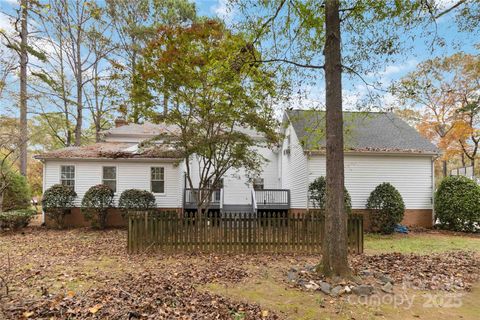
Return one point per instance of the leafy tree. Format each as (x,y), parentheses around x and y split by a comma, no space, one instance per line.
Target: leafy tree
(318,193)
(21,48)
(14,190)
(355,37)
(387,207)
(447,91)
(217,96)
(96,202)
(17,194)
(136,23)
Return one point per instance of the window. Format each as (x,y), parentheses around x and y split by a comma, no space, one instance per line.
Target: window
(67,176)
(157,179)
(109,177)
(216,195)
(258,184)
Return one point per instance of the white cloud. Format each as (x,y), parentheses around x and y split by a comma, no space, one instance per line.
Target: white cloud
(6,23)
(443,4)
(223,10)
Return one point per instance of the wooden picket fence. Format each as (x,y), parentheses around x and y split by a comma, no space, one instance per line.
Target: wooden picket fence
(281,232)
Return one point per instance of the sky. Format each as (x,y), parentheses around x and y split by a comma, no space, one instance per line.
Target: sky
(354,88)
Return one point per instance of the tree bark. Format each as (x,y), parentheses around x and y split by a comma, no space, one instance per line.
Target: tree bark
(444,163)
(79,79)
(335,246)
(23,88)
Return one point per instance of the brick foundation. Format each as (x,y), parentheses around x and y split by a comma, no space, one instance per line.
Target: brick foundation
(411,218)
(76,219)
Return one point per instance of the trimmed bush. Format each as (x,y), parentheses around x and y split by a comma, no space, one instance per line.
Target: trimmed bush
(16,219)
(136,200)
(95,204)
(387,208)
(318,194)
(457,204)
(17,195)
(57,202)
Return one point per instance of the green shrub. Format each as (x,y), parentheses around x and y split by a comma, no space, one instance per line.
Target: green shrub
(16,219)
(95,204)
(387,208)
(17,195)
(57,201)
(457,204)
(318,194)
(137,200)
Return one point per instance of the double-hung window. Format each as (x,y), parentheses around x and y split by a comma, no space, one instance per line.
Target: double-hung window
(258,184)
(157,179)
(109,177)
(67,176)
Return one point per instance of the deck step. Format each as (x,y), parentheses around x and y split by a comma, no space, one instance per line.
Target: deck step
(227,208)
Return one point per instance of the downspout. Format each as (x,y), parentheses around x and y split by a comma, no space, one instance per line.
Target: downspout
(43,188)
(433,187)
(307,155)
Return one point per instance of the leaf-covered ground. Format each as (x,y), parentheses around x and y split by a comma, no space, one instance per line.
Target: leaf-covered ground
(83,274)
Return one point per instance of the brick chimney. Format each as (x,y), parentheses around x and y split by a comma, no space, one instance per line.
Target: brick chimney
(120,121)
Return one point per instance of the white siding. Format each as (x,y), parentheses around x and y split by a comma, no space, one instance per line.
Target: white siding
(237,189)
(294,170)
(130,175)
(411,175)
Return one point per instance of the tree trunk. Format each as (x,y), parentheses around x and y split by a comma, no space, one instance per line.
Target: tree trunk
(2,190)
(165,104)
(23,88)
(335,246)
(79,80)
(444,163)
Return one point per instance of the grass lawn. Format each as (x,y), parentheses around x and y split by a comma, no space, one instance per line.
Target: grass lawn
(87,274)
(421,243)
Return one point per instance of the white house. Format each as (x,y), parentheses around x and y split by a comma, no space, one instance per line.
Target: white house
(379,147)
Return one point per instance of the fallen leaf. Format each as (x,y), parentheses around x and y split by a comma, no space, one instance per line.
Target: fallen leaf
(95,308)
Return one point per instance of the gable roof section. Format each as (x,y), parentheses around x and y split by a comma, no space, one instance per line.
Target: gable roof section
(363,132)
(144,130)
(111,150)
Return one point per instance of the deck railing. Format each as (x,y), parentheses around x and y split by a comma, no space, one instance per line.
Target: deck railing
(273,198)
(190,200)
(235,232)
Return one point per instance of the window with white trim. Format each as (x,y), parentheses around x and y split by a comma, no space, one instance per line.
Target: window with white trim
(157,179)
(67,176)
(109,177)
(258,184)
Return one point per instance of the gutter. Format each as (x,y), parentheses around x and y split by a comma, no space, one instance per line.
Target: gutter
(107,159)
(405,153)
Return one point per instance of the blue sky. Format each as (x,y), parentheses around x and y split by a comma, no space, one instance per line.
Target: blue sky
(354,89)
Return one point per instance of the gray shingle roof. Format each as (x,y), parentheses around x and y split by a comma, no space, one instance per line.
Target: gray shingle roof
(363,131)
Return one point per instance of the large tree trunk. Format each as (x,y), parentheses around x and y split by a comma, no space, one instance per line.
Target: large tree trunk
(78,127)
(79,80)
(23,89)
(335,248)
